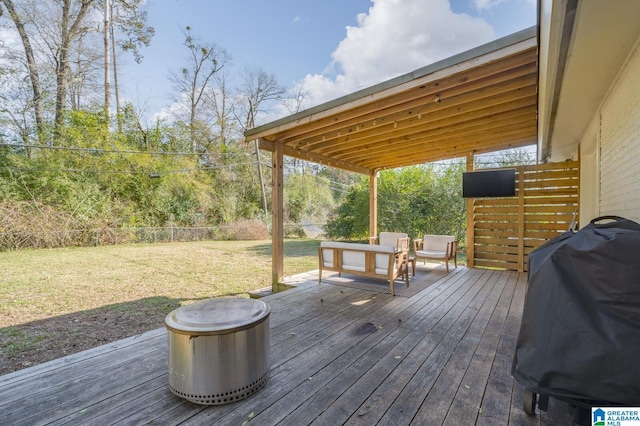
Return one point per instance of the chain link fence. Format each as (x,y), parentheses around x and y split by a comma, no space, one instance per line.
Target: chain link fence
(47,238)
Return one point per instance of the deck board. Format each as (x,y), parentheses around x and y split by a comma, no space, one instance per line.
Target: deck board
(339,355)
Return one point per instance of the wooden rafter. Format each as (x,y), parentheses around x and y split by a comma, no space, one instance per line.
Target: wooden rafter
(483,100)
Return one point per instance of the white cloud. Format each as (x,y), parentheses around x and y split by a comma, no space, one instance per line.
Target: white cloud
(490,4)
(393,38)
(295,20)
(487,4)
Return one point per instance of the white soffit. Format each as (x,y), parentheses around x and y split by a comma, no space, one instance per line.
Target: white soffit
(604,32)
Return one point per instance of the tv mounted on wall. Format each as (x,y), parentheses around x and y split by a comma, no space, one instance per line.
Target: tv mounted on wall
(489,183)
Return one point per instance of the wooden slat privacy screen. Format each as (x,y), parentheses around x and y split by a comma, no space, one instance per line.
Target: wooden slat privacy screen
(506,230)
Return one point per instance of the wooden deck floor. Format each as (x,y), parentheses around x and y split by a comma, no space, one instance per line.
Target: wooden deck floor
(338,356)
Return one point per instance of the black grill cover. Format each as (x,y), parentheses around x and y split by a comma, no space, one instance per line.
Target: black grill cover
(580,332)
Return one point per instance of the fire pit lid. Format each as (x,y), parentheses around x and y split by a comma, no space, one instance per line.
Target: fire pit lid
(217,316)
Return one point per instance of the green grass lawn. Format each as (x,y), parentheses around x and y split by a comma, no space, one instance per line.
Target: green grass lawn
(60,301)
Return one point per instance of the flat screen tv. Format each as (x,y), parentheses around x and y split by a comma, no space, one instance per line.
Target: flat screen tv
(489,183)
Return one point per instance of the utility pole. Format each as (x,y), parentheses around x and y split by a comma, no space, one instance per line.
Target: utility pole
(107,25)
(251,124)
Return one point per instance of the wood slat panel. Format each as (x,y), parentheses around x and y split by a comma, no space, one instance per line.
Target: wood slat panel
(496,249)
(506,230)
(493,225)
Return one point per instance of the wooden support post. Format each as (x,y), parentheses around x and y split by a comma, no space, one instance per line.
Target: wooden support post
(373,204)
(470,218)
(520,177)
(277,221)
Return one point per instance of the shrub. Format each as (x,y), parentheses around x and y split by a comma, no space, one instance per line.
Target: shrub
(249,229)
(35,225)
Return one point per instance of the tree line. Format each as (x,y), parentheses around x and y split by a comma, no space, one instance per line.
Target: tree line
(75,156)
(68,158)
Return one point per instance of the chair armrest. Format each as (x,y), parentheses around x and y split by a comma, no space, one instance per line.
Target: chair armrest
(417,244)
(373,240)
(403,244)
(452,248)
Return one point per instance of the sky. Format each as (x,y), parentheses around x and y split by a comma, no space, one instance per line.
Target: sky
(331,47)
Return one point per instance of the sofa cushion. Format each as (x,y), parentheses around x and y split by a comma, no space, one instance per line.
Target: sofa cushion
(391,238)
(358,246)
(431,253)
(353,255)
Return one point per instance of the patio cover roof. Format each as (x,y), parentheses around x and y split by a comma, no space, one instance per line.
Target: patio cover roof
(478,101)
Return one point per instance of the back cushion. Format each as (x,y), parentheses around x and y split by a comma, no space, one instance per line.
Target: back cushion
(437,242)
(391,238)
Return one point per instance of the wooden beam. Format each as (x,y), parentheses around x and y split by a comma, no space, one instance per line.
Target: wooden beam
(444,116)
(306,155)
(277,221)
(324,160)
(266,145)
(486,143)
(453,147)
(512,119)
(470,91)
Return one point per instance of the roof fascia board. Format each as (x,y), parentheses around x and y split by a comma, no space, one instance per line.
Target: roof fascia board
(556,27)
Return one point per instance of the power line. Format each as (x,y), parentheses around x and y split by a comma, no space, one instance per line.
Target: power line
(117,151)
(121,172)
(486,158)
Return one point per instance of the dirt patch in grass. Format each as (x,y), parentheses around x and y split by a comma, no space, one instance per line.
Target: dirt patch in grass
(58,302)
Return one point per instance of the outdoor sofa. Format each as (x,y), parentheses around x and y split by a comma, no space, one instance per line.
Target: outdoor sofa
(368,260)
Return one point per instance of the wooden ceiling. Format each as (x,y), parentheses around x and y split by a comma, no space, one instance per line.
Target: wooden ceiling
(482,100)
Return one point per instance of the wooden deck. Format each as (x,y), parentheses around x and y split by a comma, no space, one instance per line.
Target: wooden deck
(338,356)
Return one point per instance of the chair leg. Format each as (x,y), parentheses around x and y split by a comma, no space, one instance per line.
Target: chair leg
(406,271)
(446,262)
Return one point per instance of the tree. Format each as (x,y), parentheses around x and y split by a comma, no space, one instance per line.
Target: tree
(417,200)
(192,82)
(259,88)
(71,28)
(16,107)
(59,38)
(351,218)
(31,65)
(107,41)
(220,102)
(130,20)
(307,197)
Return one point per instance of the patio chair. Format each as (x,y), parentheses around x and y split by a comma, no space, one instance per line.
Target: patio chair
(403,248)
(402,244)
(436,247)
(388,239)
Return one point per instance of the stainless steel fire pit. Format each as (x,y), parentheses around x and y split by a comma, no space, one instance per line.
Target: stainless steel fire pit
(218,350)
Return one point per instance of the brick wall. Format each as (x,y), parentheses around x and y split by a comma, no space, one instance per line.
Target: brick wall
(620,144)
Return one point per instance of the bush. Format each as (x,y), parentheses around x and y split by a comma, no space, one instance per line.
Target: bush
(250,229)
(35,225)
